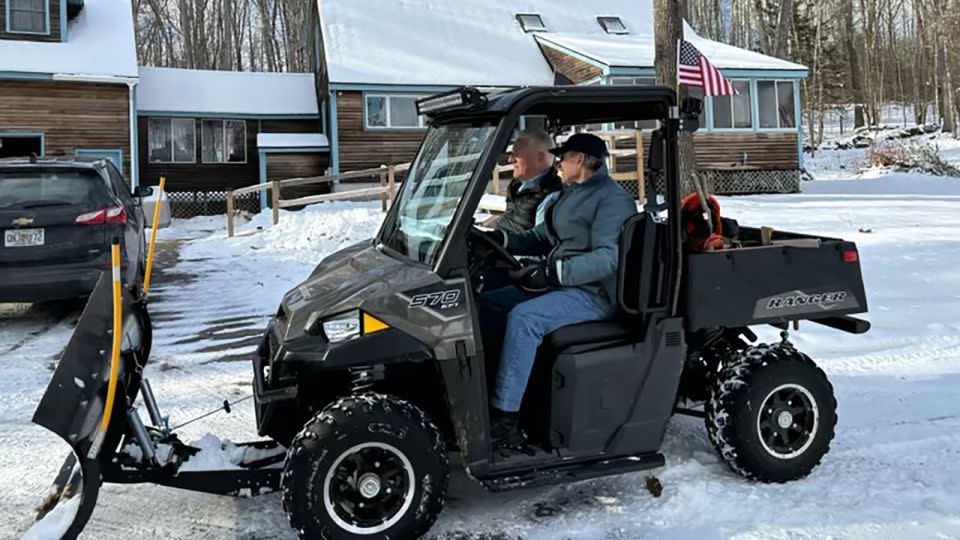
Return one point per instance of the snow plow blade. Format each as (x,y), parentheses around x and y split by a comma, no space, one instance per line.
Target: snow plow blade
(73,405)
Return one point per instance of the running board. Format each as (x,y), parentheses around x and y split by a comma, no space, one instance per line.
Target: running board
(572,472)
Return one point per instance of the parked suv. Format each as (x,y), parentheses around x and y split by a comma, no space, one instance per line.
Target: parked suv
(57,221)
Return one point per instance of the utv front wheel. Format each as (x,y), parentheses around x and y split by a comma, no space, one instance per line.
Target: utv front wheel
(771,413)
(367,466)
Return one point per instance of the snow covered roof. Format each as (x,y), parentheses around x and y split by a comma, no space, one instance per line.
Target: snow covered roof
(174,90)
(480,42)
(100,45)
(292,140)
(637,50)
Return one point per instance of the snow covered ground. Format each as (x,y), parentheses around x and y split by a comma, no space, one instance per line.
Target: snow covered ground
(893,470)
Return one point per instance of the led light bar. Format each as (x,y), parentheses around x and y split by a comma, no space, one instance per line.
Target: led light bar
(466,96)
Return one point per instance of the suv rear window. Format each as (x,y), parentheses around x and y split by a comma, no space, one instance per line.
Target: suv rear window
(31,188)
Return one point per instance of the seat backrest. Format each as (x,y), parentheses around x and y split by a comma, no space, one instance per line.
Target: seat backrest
(641,269)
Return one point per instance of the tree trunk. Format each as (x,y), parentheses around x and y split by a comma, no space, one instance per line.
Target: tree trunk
(784,25)
(668,18)
(853,63)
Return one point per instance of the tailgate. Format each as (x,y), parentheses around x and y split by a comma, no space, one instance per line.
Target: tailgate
(38,216)
(773,284)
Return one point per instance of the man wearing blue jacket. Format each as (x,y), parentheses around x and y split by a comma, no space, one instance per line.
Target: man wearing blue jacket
(575,278)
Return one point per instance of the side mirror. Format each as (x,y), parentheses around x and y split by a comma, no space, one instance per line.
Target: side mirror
(690,110)
(142,191)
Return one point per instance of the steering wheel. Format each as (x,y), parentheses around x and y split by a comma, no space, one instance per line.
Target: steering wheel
(504,257)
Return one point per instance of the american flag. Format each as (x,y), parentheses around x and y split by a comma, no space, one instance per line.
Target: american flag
(693,69)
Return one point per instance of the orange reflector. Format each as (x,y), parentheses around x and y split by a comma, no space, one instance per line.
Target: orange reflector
(370,324)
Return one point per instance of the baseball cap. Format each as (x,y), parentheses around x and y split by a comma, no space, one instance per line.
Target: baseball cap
(585,143)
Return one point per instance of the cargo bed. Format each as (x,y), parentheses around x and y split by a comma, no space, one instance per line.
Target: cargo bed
(794,277)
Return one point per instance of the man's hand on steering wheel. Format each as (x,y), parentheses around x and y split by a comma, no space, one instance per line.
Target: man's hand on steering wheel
(494,243)
(538,276)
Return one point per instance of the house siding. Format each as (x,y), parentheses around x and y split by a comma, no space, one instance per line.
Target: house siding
(53,21)
(572,68)
(298,165)
(201,176)
(70,115)
(361,148)
(725,151)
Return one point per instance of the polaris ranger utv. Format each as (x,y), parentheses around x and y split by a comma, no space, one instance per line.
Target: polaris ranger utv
(373,368)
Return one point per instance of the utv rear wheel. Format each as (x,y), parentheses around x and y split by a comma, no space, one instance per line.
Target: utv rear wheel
(367,466)
(771,413)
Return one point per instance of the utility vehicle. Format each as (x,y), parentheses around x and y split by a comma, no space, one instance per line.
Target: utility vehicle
(373,369)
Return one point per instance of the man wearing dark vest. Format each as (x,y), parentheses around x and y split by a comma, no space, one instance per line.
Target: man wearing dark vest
(534,183)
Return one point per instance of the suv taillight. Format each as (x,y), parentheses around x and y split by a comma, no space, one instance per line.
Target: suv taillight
(114,214)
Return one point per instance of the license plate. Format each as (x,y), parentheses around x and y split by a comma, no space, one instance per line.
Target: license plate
(23,237)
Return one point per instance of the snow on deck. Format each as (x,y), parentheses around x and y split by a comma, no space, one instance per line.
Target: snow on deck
(892,471)
(100,43)
(175,90)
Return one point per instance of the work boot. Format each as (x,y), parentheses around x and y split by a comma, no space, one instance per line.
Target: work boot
(506,433)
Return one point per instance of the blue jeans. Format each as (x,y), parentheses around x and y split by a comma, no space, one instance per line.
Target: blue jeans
(529,318)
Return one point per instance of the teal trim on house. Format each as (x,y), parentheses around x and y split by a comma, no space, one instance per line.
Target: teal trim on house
(334,152)
(134,142)
(63,20)
(294,150)
(263,178)
(46,20)
(764,73)
(24,75)
(26,134)
(623,71)
(113,154)
(227,115)
(798,112)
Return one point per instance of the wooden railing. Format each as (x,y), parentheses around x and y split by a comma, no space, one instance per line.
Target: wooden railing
(387,191)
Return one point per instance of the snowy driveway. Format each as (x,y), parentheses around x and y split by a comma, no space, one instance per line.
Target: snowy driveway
(893,470)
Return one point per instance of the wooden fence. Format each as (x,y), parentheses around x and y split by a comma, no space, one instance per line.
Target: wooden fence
(387,191)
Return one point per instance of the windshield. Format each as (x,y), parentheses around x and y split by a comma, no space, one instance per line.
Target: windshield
(433,188)
(31,188)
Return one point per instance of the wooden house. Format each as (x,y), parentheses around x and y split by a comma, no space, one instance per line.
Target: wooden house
(67,86)
(211,131)
(371,69)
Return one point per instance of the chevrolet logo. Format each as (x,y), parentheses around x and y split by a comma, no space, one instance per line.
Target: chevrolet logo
(20,222)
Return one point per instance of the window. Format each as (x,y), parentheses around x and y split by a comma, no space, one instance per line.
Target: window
(733,112)
(224,141)
(393,112)
(20,145)
(775,101)
(172,140)
(531,22)
(635,81)
(28,16)
(612,25)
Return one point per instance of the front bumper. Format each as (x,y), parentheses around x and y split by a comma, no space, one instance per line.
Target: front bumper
(268,392)
(42,283)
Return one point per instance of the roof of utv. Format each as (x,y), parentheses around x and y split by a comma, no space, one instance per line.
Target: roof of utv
(570,104)
(91,163)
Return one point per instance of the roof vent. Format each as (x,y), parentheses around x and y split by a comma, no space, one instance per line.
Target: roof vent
(612,25)
(73,8)
(531,22)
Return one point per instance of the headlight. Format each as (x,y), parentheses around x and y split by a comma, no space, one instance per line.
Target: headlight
(342,327)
